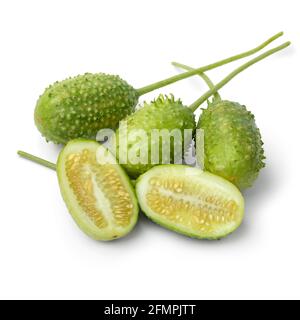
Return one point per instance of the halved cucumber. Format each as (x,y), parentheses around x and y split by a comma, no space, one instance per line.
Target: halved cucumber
(96,190)
(190,201)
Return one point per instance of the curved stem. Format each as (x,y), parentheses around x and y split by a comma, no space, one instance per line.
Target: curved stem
(185,75)
(202,75)
(234,73)
(35,159)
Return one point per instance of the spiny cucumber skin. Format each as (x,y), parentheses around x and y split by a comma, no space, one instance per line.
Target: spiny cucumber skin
(233,145)
(163,113)
(79,107)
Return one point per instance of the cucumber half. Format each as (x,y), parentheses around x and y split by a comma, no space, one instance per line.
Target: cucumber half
(96,190)
(190,201)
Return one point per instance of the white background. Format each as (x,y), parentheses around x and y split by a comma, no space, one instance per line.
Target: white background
(42,252)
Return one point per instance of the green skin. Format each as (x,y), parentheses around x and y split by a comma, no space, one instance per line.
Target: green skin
(175,116)
(79,107)
(233,145)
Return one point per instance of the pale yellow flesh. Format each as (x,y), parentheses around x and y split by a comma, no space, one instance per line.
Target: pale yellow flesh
(190,201)
(99,196)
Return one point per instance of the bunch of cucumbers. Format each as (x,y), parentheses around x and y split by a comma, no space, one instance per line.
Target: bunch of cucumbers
(104,195)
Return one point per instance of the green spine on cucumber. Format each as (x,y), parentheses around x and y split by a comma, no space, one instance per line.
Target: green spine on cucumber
(233,145)
(78,107)
(164,113)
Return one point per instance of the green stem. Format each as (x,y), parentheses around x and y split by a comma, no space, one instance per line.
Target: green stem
(46,163)
(233,74)
(202,75)
(185,75)
(35,159)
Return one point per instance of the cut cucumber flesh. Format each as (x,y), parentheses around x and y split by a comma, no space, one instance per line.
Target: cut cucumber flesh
(96,190)
(190,201)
